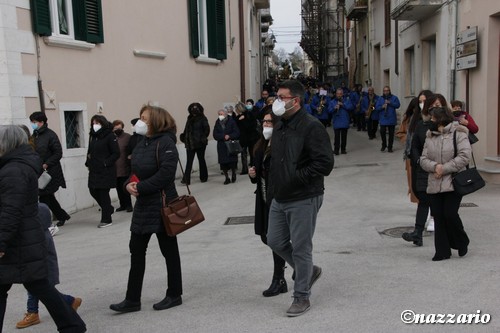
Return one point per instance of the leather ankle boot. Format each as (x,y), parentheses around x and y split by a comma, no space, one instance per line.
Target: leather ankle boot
(278,286)
(415,237)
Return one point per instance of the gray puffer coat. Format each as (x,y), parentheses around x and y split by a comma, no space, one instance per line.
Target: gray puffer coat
(438,149)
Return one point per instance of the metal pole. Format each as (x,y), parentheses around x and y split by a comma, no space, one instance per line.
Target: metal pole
(467,90)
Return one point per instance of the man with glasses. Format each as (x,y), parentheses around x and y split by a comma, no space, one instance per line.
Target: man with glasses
(301,157)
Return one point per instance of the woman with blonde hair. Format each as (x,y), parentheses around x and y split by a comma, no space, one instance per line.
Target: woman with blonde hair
(153,166)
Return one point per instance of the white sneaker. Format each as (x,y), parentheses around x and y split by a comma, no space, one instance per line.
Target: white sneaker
(430,224)
(53,230)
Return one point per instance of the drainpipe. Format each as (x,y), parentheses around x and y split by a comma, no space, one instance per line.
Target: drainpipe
(242,50)
(41,97)
(454,56)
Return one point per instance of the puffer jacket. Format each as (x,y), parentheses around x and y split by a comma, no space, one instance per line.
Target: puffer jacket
(155,173)
(21,235)
(301,157)
(439,149)
(102,154)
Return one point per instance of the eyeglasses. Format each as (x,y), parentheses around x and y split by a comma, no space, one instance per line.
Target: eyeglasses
(284,98)
(267,121)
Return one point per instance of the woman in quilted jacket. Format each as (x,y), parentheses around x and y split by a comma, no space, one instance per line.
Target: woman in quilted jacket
(441,161)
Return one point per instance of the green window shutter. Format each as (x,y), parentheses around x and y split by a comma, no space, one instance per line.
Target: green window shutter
(193,28)
(40,13)
(216,21)
(87,17)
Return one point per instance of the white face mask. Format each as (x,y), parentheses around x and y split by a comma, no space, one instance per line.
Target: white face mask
(421,105)
(96,127)
(141,127)
(221,118)
(267,132)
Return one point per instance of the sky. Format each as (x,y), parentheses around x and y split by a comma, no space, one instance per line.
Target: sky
(286,23)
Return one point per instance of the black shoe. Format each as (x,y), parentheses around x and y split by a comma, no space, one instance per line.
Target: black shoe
(343,152)
(463,251)
(227,181)
(439,258)
(336,152)
(371,138)
(390,150)
(168,302)
(126,306)
(278,286)
(382,149)
(203,180)
(233,178)
(61,223)
(130,209)
(414,237)
(119,209)
(183,181)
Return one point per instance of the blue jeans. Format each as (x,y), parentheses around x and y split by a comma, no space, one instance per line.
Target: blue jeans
(33,301)
(290,232)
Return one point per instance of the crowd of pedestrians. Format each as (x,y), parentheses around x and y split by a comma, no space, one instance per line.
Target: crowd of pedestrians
(285,150)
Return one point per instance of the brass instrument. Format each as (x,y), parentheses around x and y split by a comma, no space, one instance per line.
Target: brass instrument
(319,109)
(371,107)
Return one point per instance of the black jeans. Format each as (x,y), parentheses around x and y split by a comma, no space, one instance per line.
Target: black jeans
(279,263)
(360,122)
(65,318)
(340,140)
(383,133)
(422,210)
(101,195)
(123,195)
(246,151)
(51,201)
(372,126)
(170,251)
(449,231)
(200,154)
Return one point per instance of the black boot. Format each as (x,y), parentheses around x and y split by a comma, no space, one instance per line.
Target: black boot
(227,181)
(278,286)
(415,237)
(233,175)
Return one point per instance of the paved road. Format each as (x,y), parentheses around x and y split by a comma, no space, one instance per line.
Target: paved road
(368,278)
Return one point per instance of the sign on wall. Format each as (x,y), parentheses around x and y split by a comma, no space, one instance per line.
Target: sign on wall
(467,49)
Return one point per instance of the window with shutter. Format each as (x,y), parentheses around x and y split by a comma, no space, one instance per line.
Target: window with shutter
(68,19)
(207,22)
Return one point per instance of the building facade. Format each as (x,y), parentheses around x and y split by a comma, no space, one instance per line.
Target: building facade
(74,59)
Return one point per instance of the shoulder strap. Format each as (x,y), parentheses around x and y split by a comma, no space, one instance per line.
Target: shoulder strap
(158,165)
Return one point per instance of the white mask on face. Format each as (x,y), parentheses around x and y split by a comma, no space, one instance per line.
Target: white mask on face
(141,127)
(96,127)
(267,132)
(221,117)
(421,105)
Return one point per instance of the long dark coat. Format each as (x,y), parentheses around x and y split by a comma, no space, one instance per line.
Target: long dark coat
(21,235)
(101,157)
(155,174)
(247,124)
(230,128)
(48,146)
(123,163)
(262,204)
(46,220)
(419,175)
(196,132)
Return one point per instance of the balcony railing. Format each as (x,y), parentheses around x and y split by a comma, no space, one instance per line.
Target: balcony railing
(261,4)
(356,9)
(265,15)
(414,10)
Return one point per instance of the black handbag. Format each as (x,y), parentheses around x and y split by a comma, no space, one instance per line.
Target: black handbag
(233,147)
(468,180)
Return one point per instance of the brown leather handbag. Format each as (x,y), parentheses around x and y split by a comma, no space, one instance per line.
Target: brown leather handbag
(182,213)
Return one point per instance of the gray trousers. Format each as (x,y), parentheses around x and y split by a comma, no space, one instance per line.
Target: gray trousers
(290,232)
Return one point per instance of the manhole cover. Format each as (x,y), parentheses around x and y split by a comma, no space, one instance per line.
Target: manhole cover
(398,232)
(240,220)
(468,204)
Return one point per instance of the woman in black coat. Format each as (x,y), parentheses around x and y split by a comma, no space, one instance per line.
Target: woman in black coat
(48,146)
(101,157)
(154,163)
(247,124)
(259,175)
(23,249)
(195,137)
(226,129)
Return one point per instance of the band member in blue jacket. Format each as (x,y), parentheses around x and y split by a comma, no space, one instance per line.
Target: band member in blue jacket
(388,118)
(340,109)
(319,105)
(370,107)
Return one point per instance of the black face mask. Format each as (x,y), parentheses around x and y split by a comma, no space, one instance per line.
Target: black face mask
(457,114)
(433,126)
(118,131)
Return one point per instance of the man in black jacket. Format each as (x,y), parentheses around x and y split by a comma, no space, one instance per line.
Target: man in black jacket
(301,156)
